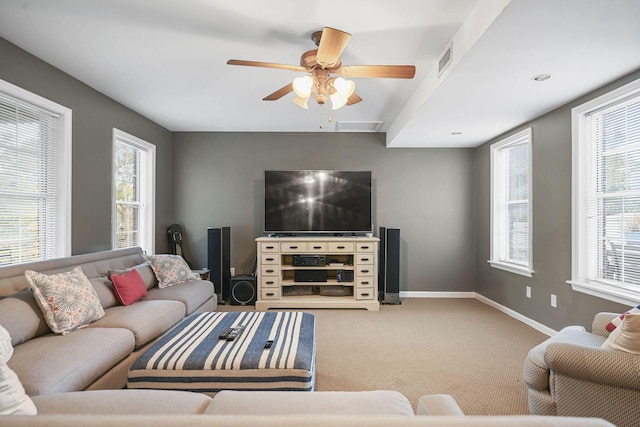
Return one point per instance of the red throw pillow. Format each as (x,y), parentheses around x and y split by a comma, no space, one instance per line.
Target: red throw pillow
(128,287)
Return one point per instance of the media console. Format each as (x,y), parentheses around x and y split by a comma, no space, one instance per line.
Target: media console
(317,272)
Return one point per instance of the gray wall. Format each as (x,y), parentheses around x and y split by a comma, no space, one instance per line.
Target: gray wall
(551,227)
(94,117)
(428,193)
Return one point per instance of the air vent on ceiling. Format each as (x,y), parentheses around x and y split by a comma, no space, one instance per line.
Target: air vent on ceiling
(342,126)
(445,59)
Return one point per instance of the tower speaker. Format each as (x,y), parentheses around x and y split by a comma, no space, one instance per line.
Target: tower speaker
(243,290)
(389,266)
(219,260)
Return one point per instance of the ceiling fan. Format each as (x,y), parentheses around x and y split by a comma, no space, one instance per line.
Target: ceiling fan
(325,73)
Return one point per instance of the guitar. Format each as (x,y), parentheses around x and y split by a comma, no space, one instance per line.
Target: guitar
(175,241)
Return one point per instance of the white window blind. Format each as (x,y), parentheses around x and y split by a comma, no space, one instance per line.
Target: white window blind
(127,191)
(133,192)
(28,182)
(613,136)
(510,206)
(606,189)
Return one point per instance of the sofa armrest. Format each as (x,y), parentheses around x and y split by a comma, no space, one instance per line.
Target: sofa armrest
(600,322)
(594,364)
(438,404)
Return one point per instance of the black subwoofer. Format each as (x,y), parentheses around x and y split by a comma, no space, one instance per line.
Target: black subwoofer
(243,290)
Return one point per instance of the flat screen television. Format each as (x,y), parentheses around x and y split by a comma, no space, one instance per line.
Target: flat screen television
(317,201)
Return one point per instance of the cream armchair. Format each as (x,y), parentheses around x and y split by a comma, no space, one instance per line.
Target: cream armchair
(570,375)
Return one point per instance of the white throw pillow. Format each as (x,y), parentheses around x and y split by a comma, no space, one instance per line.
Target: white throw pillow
(626,337)
(13,399)
(68,300)
(171,269)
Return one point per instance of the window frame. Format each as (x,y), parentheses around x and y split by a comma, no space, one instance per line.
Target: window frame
(580,280)
(147,189)
(499,185)
(62,244)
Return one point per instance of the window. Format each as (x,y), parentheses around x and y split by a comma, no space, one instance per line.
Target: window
(35,177)
(510,204)
(606,196)
(133,192)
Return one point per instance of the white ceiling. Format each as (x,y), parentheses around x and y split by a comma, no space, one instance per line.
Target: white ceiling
(166,59)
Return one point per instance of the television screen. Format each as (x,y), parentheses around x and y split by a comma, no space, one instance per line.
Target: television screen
(315,201)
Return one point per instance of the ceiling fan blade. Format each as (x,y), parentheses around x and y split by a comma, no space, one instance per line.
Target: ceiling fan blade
(378,71)
(353,99)
(279,93)
(332,43)
(267,65)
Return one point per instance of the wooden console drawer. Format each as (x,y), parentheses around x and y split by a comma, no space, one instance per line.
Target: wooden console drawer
(364,270)
(269,282)
(270,293)
(340,247)
(314,247)
(364,247)
(269,247)
(269,270)
(270,259)
(364,259)
(293,247)
(364,282)
(364,294)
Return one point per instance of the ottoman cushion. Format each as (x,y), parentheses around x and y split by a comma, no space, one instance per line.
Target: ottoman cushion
(193,357)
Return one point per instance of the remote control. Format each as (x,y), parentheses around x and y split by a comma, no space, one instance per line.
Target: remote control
(234,333)
(268,344)
(225,334)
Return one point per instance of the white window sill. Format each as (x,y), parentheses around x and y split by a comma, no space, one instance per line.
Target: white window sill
(608,292)
(513,268)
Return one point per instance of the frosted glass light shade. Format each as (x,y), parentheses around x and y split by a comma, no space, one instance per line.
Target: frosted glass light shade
(301,102)
(302,86)
(344,88)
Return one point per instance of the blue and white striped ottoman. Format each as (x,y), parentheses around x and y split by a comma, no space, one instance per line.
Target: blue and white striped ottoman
(193,357)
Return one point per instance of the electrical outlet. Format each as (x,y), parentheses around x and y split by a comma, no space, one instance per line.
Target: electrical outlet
(232,270)
(528,288)
(554,301)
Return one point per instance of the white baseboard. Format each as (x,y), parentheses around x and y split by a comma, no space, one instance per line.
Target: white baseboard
(429,294)
(506,310)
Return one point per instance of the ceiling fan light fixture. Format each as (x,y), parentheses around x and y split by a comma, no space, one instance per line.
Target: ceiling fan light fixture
(337,101)
(302,86)
(344,87)
(301,102)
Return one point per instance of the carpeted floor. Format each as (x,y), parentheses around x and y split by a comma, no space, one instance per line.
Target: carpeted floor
(460,347)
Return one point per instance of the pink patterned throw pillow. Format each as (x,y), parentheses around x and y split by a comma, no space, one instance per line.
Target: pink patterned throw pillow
(67,300)
(611,326)
(171,270)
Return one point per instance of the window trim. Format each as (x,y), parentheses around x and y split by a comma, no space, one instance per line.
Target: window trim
(148,198)
(63,162)
(495,220)
(580,178)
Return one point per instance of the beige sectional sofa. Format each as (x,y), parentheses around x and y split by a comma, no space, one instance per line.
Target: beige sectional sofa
(98,356)
(160,408)
(77,378)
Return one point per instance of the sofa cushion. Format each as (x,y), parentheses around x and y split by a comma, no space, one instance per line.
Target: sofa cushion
(68,300)
(377,402)
(58,363)
(13,399)
(626,337)
(145,271)
(21,316)
(170,269)
(147,320)
(192,294)
(103,288)
(128,287)
(123,402)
